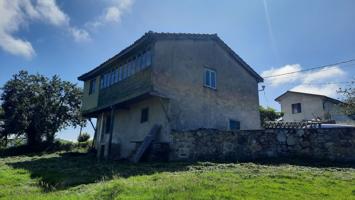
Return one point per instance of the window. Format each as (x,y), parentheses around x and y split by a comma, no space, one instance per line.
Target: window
(104,82)
(108,123)
(210,78)
(101,82)
(116,75)
(92,86)
(144,115)
(234,125)
(141,62)
(107,80)
(296,108)
(129,68)
(123,71)
(137,65)
(120,76)
(148,59)
(110,78)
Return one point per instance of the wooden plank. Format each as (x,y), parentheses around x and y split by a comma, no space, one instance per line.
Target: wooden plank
(146,143)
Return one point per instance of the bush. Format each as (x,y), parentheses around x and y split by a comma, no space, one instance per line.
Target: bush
(58,145)
(84,137)
(84,145)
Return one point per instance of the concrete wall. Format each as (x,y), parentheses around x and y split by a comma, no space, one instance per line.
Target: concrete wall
(315,144)
(311,106)
(178,69)
(127,128)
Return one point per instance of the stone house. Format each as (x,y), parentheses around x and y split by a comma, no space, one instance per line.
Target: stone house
(299,106)
(176,81)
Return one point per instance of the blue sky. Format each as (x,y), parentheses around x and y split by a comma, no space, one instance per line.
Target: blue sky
(273,36)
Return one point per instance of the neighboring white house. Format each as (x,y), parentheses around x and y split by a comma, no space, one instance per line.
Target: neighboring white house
(298,106)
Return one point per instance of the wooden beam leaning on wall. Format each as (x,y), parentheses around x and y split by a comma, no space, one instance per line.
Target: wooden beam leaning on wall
(151,136)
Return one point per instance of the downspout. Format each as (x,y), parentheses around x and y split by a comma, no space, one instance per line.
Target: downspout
(111,132)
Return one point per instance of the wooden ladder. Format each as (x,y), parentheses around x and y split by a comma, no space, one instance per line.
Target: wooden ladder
(146,143)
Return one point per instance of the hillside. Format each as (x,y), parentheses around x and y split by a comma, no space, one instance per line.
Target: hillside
(80,176)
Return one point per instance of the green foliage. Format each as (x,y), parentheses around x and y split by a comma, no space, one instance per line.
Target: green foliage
(1,113)
(83,137)
(56,146)
(38,107)
(2,142)
(269,114)
(80,176)
(348,105)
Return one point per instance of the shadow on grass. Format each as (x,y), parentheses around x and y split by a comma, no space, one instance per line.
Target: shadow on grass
(40,149)
(72,169)
(305,161)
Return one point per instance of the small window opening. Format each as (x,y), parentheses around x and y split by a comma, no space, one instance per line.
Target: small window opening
(296,108)
(92,86)
(144,115)
(234,125)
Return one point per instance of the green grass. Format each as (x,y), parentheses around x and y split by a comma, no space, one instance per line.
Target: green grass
(80,176)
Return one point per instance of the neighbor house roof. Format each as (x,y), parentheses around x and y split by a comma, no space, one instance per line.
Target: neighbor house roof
(153,36)
(278,99)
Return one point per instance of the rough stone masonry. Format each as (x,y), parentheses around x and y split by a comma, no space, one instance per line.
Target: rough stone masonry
(335,144)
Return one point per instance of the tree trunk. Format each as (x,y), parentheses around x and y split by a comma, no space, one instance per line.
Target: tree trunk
(50,138)
(33,138)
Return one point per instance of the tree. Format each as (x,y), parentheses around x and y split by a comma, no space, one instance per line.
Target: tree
(2,143)
(269,114)
(348,105)
(1,113)
(84,137)
(38,107)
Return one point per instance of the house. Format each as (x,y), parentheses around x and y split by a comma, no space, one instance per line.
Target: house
(177,81)
(299,106)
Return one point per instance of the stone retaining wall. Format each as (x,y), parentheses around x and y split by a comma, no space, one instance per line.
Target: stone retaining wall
(319,144)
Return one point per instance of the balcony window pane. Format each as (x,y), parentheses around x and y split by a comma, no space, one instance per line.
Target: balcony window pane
(148,60)
(117,74)
(120,74)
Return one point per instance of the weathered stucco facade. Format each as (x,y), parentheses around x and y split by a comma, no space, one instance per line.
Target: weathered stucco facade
(312,107)
(172,88)
(178,74)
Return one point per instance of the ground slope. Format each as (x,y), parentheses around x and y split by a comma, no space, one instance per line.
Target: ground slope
(80,176)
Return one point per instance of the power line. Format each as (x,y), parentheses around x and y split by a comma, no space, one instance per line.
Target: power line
(328,83)
(313,68)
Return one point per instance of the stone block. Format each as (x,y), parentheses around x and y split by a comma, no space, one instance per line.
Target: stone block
(291,140)
(281,137)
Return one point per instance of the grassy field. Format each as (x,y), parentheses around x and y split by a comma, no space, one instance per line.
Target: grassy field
(80,176)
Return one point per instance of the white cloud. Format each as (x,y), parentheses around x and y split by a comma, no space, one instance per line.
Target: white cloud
(327,90)
(51,12)
(14,14)
(80,35)
(278,80)
(327,73)
(322,74)
(16,46)
(316,82)
(112,14)
(10,20)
